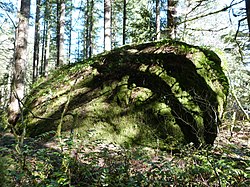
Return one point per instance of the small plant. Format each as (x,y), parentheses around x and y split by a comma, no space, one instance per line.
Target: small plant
(79,161)
(4,170)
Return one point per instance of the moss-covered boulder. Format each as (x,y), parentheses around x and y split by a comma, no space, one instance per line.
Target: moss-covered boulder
(160,93)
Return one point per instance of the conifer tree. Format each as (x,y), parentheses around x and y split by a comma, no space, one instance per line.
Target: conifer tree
(158,21)
(36,42)
(171,22)
(248,13)
(124,22)
(47,36)
(107,25)
(60,31)
(18,82)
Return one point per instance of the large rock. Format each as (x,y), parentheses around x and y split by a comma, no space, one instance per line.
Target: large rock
(158,93)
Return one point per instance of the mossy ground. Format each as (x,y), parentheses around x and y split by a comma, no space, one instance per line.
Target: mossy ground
(156,93)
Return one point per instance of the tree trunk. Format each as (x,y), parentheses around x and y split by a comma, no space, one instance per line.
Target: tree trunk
(78,46)
(158,21)
(47,52)
(171,25)
(124,22)
(43,46)
(86,31)
(70,30)
(36,42)
(47,40)
(20,61)
(60,31)
(88,44)
(248,14)
(91,23)
(107,25)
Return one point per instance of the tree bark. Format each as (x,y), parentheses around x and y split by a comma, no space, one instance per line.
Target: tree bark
(70,30)
(124,22)
(248,14)
(158,21)
(107,25)
(171,25)
(48,37)
(91,23)
(88,44)
(86,32)
(36,42)
(44,34)
(18,81)
(60,31)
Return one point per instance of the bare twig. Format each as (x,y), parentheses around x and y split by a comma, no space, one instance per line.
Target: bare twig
(239,104)
(211,13)
(238,29)
(207,30)
(12,21)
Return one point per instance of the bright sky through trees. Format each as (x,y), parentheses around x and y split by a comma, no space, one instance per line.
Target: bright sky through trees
(78,24)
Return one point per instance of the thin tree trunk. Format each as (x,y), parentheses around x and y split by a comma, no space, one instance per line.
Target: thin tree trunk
(171,25)
(78,46)
(18,84)
(47,40)
(124,22)
(43,46)
(62,25)
(86,38)
(70,31)
(36,41)
(158,21)
(60,32)
(57,31)
(91,22)
(248,14)
(107,25)
(47,52)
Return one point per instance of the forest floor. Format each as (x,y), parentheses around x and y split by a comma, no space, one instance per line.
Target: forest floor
(237,135)
(78,162)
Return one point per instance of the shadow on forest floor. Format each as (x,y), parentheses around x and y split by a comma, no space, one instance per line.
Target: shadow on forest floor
(78,162)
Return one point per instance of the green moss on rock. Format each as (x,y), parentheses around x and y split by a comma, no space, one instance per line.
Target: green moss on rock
(159,93)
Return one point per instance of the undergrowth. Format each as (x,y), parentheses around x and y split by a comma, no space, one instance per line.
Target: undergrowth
(75,161)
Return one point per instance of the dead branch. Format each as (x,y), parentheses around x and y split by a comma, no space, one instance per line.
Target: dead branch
(211,13)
